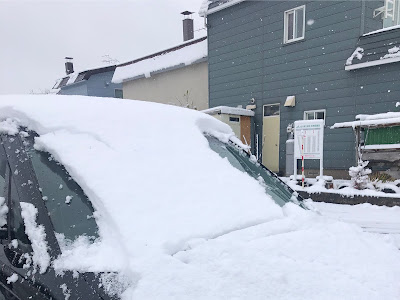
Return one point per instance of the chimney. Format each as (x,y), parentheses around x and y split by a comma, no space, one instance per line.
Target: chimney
(188,33)
(69,65)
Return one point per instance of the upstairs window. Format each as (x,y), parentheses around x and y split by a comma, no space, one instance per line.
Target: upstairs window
(389,13)
(294,20)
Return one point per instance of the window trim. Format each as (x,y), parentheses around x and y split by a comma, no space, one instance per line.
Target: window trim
(285,24)
(271,104)
(395,13)
(122,93)
(315,111)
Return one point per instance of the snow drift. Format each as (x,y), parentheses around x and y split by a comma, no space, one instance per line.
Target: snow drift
(178,222)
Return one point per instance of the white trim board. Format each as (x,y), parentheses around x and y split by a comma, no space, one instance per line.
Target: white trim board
(372,63)
(382,30)
(221,7)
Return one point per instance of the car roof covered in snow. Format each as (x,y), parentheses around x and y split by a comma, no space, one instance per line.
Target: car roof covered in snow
(177,221)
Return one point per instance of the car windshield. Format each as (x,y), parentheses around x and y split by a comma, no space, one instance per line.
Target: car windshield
(274,187)
(68,206)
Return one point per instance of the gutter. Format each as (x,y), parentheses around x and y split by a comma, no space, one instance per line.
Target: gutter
(221,7)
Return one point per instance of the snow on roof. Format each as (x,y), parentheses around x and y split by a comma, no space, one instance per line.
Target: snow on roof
(211,6)
(184,54)
(358,53)
(229,110)
(204,7)
(384,119)
(376,48)
(72,78)
(173,212)
(388,115)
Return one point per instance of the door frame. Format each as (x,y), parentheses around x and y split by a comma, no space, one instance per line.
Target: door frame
(262,126)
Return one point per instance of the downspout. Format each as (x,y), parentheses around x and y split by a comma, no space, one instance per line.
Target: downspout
(362,25)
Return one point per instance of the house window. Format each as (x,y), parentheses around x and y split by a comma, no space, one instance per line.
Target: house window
(118,93)
(389,13)
(271,110)
(294,20)
(315,114)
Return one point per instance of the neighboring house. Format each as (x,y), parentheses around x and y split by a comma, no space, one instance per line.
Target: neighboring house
(328,60)
(94,82)
(177,76)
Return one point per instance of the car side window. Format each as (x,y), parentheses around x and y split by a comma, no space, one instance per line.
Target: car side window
(14,228)
(16,225)
(3,201)
(68,207)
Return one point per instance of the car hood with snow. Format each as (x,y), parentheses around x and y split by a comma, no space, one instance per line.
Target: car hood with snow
(177,221)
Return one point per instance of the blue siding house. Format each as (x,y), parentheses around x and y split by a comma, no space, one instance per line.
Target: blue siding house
(94,82)
(337,59)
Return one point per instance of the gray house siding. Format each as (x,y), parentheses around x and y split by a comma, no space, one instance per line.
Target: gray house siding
(79,88)
(100,85)
(248,59)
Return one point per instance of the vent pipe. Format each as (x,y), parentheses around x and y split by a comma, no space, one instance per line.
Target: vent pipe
(69,65)
(188,32)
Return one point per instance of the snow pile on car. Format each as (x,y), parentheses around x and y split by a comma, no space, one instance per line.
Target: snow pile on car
(178,222)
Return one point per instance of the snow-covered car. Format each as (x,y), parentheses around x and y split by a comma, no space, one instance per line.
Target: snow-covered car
(109,199)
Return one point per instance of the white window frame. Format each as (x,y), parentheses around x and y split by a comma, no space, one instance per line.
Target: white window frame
(393,14)
(385,13)
(285,24)
(272,104)
(314,111)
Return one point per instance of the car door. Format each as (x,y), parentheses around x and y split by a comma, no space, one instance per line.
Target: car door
(19,277)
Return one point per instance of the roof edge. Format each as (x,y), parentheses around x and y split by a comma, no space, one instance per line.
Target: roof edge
(372,63)
(163,52)
(176,67)
(220,7)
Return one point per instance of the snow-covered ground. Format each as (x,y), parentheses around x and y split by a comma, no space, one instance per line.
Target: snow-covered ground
(371,218)
(177,221)
(382,220)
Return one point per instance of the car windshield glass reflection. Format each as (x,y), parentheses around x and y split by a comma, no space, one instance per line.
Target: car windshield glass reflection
(69,208)
(242,161)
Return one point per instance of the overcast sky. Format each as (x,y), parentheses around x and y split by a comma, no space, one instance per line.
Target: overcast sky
(36,35)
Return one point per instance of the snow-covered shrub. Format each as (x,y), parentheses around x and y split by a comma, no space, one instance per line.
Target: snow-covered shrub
(359,175)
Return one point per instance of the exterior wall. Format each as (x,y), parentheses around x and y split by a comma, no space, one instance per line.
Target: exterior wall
(170,87)
(234,125)
(248,59)
(100,85)
(370,23)
(75,89)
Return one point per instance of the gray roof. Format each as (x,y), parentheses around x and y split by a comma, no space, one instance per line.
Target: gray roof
(376,46)
(82,76)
